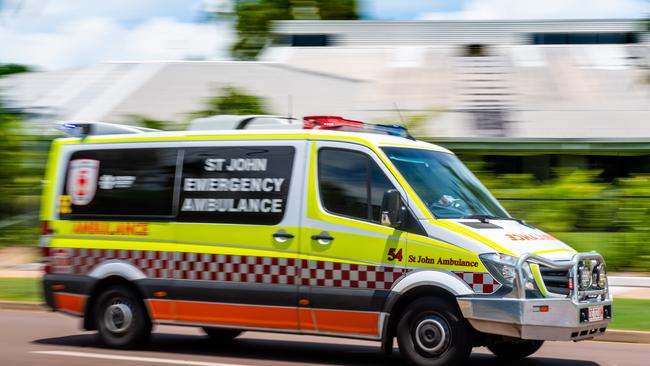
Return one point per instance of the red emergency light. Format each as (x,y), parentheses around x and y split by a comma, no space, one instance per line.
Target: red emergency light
(342,124)
(329,122)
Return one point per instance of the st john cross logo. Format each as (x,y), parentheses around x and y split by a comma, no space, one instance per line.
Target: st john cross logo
(82,181)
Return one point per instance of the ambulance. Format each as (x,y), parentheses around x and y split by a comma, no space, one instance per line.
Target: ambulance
(328,227)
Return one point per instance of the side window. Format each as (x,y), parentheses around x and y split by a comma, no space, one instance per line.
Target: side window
(246,185)
(351,184)
(119,183)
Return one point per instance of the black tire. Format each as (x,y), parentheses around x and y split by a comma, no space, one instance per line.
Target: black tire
(221,335)
(115,328)
(432,332)
(515,350)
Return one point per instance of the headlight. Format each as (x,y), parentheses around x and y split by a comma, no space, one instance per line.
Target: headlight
(585,274)
(501,267)
(601,276)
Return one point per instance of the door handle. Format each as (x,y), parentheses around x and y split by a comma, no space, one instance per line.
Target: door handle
(283,235)
(323,238)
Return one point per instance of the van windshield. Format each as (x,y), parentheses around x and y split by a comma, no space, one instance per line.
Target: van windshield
(445,185)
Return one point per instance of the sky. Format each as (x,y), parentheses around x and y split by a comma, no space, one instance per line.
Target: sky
(63,34)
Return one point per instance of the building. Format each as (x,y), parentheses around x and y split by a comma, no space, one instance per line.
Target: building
(523,95)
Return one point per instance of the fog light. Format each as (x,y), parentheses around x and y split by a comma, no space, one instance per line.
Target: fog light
(584,315)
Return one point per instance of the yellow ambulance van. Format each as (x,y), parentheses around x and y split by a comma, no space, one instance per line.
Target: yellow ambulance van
(335,228)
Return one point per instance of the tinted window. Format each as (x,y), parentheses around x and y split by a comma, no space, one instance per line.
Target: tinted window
(124,182)
(310,40)
(351,184)
(246,185)
(585,38)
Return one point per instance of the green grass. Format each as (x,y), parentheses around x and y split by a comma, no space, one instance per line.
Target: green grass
(629,314)
(20,289)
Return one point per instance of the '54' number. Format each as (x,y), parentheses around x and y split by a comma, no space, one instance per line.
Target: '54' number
(394,254)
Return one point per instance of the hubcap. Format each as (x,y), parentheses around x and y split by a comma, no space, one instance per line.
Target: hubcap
(432,335)
(118,317)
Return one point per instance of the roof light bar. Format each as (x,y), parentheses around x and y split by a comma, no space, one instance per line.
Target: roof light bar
(329,122)
(342,124)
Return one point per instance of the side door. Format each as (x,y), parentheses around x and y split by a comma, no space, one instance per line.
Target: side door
(237,235)
(349,260)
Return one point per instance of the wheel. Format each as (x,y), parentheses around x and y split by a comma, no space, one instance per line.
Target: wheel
(432,332)
(221,335)
(515,350)
(121,318)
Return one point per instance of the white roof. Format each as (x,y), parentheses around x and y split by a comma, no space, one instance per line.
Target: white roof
(375,139)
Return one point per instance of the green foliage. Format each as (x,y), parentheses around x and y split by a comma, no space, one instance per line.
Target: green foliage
(10,159)
(613,219)
(8,69)
(22,161)
(254,19)
(232,101)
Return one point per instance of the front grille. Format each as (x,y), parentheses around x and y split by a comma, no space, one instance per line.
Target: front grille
(556,281)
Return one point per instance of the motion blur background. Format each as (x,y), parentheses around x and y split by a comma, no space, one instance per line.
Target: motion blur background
(548,102)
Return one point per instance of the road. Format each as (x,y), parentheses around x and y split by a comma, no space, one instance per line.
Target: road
(46,339)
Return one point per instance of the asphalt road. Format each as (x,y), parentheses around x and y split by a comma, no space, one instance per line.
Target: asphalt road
(45,339)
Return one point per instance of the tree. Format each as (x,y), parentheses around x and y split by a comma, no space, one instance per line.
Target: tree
(254,19)
(232,101)
(8,69)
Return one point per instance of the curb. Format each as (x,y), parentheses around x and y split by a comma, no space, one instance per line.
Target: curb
(628,281)
(624,336)
(17,305)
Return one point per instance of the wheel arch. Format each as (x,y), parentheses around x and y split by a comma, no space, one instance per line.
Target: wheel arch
(111,277)
(418,284)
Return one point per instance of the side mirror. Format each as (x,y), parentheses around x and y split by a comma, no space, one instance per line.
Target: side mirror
(391,209)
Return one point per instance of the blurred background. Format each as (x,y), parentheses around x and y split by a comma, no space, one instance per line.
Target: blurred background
(547,102)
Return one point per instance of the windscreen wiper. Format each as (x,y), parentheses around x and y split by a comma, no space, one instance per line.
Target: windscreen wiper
(486,218)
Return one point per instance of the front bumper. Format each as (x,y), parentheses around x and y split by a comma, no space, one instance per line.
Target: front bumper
(545,316)
(521,318)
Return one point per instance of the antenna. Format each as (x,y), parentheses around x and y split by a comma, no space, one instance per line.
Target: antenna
(290,106)
(399,114)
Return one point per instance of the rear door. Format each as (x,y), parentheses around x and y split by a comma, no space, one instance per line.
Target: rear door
(238,234)
(350,261)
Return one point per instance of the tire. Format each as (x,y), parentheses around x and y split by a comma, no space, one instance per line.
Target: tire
(515,350)
(432,332)
(221,335)
(121,318)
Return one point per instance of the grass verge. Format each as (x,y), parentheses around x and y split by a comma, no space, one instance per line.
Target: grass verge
(629,314)
(20,289)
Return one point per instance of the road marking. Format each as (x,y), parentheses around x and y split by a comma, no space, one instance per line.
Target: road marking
(106,356)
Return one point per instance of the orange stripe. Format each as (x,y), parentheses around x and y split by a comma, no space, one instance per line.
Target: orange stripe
(69,302)
(306,319)
(161,309)
(354,322)
(230,314)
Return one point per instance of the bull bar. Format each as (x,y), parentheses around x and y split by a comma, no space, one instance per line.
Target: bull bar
(540,315)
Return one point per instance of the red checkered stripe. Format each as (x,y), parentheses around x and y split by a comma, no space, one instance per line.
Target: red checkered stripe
(192,266)
(481,283)
(233,268)
(332,274)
